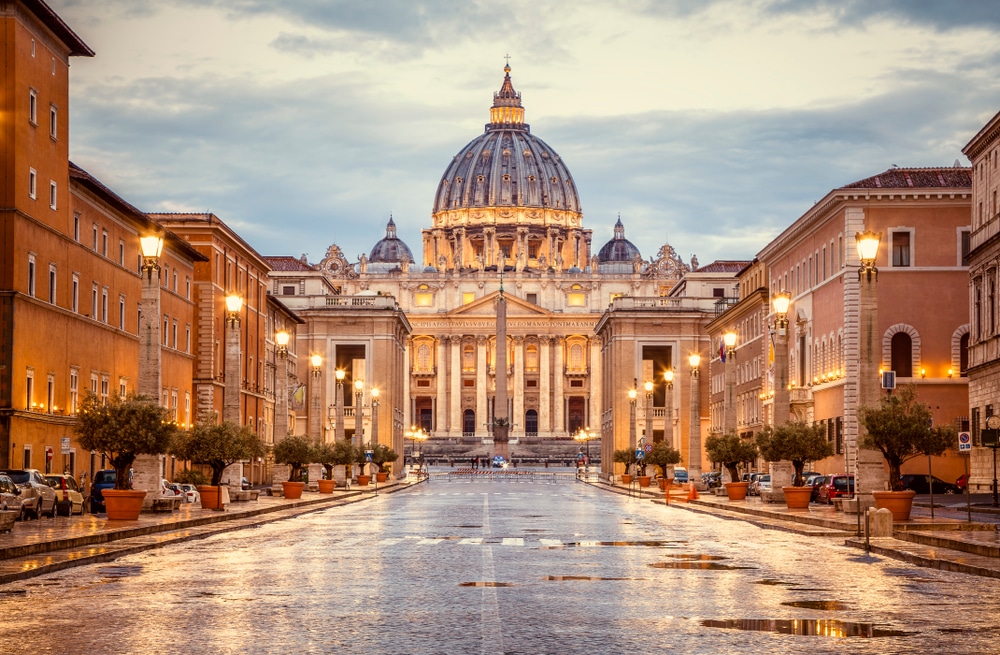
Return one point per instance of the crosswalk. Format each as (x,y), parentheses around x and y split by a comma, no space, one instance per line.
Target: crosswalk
(414,541)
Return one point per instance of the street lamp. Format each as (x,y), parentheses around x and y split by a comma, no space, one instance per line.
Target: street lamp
(359,427)
(147,467)
(584,435)
(648,386)
(868,242)
(415,434)
(694,431)
(780,408)
(668,425)
(339,434)
(870,473)
(632,394)
(315,405)
(375,404)
(234,303)
(281,339)
(729,417)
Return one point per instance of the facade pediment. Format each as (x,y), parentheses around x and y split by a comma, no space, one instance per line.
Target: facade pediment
(486,306)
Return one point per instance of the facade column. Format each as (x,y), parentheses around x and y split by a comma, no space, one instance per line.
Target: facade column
(544,382)
(694,430)
(455,375)
(558,425)
(596,388)
(231,394)
(517,420)
(407,369)
(441,404)
(482,415)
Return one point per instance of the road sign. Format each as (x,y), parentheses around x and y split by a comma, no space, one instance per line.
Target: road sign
(964,441)
(648,447)
(640,453)
(368,455)
(65,446)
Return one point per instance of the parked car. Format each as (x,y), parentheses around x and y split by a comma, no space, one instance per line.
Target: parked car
(816,482)
(37,497)
(190,492)
(836,486)
(499,462)
(680,475)
(72,501)
(752,483)
(922,484)
(169,489)
(10,495)
(712,479)
(761,483)
(104,479)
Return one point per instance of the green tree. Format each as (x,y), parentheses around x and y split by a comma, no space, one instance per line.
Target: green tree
(217,445)
(663,455)
(297,452)
(122,429)
(624,456)
(334,454)
(730,451)
(381,455)
(795,441)
(902,428)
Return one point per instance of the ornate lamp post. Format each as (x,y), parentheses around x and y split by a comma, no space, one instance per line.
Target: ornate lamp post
(694,432)
(780,407)
(315,406)
(584,435)
(375,403)
(147,467)
(415,434)
(339,434)
(668,423)
(729,416)
(359,426)
(233,375)
(281,340)
(648,386)
(632,394)
(870,473)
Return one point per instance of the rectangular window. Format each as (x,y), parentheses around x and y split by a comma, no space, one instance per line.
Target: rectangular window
(96,233)
(105,389)
(468,298)
(187,287)
(174,334)
(187,339)
(187,408)
(76,228)
(104,242)
(93,383)
(122,387)
(93,302)
(32,183)
(121,252)
(901,248)
(288,290)
(175,281)
(104,305)
(53,195)
(76,294)
(29,389)
(31,275)
(166,333)
(32,106)
(121,313)
(50,394)
(963,247)
(53,122)
(74,390)
(532,298)
(52,283)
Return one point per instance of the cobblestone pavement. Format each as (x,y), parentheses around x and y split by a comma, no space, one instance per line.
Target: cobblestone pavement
(481,566)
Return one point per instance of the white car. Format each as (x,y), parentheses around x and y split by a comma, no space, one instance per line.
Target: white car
(190,493)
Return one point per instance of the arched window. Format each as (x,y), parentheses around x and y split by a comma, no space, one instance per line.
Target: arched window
(576,357)
(902,355)
(424,358)
(531,423)
(469,422)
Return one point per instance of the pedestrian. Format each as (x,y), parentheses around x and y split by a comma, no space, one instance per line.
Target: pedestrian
(474,461)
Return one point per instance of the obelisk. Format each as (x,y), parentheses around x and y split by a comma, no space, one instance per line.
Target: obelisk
(501,417)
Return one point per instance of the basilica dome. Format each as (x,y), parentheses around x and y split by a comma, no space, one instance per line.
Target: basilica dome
(619,249)
(507,166)
(391,249)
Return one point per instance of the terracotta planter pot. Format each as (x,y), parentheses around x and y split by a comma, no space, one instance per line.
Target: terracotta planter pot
(898,502)
(663,484)
(209,496)
(626,479)
(645,480)
(381,477)
(797,497)
(737,490)
(326,486)
(293,490)
(123,504)
(363,480)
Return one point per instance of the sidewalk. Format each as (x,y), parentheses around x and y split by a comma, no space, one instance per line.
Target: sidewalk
(949,541)
(46,545)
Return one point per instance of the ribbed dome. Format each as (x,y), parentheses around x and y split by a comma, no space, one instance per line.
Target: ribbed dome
(619,249)
(391,249)
(507,166)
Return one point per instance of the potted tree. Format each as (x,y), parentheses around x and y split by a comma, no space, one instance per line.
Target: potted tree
(902,428)
(624,456)
(731,451)
(122,429)
(297,452)
(217,446)
(665,457)
(382,455)
(330,455)
(361,459)
(798,443)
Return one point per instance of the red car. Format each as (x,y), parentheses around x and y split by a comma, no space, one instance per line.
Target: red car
(836,486)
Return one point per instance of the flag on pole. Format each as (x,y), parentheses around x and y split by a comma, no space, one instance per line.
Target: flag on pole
(722,350)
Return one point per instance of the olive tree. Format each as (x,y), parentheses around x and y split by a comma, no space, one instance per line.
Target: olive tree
(217,445)
(730,451)
(797,442)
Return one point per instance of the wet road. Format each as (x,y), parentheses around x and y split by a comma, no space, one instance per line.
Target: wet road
(502,567)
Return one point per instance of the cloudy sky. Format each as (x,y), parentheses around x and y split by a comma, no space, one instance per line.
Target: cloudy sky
(711,124)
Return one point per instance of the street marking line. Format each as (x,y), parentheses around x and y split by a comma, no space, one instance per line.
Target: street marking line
(471,541)
(513,541)
(551,542)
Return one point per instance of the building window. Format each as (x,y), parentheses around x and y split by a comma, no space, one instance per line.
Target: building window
(902,355)
(468,298)
(424,358)
(76,228)
(576,357)
(469,422)
(31,275)
(187,287)
(104,242)
(74,390)
(32,183)
(93,383)
(963,247)
(50,394)
(75,300)
(53,122)
(531,423)
(531,358)
(174,334)
(187,338)
(122,387)
(32,106)
(175,280)
(121,312)
(901,247)
(532,298)
(29,389)
(468,357)
(576,297)
(52,283)
(93,302)
(104,305)
(423,296)
(121,253)
(96,233)
(187,408)
(166,333)
(53,195)
(105,389)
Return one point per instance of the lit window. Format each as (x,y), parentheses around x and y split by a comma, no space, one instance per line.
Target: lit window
(901,248)
(423,296)
(468,298)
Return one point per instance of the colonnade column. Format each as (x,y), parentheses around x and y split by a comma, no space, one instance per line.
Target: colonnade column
(455,375)
(517,420)
(407,404)
(558,425)
(594,420)
(441,404)
(544,379)
(482,415)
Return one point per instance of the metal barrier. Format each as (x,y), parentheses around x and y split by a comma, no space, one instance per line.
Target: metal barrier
(502,475)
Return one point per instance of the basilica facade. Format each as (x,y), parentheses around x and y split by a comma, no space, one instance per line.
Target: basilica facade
(506,213)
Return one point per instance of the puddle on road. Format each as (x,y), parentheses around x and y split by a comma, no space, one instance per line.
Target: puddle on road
(120,571)
(826,605)
(699,565)
(571,578)
(486,584)
(466,527)
(811,627)
(697,556)
(773,582)
(647,544)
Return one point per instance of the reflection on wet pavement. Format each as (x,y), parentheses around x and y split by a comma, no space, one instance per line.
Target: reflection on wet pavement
(814,627)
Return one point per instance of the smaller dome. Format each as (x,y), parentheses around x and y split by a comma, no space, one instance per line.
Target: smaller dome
(619,249)
(391,249)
